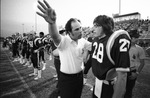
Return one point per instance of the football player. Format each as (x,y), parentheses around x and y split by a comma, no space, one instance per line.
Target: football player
(24,48)
(110,58)
(41,52)
(35,44)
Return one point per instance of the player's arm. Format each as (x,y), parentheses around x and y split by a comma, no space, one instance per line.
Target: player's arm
(120,85)
(86,55)
(50,16)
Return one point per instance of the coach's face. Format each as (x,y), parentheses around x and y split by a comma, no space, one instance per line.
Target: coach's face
(76,30)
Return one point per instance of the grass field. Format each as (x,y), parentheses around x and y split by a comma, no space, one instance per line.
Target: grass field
(16,83)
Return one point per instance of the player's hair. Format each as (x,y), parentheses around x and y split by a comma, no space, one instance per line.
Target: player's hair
(106,22)
(42,33)
(68,27)
(24,34)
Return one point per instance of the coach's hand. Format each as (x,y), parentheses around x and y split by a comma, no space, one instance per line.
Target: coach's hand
(47,12)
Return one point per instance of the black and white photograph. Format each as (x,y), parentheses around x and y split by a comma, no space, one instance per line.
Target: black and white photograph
(75,49)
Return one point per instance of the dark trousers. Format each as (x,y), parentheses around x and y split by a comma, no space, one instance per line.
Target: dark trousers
(35,61)
(129,87)
(28,54)
(24,52)
(88,65)
(16,52)
(107,91)
(41,55)
(71,85)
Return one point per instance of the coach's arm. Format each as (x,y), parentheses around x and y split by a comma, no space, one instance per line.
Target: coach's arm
(50,16)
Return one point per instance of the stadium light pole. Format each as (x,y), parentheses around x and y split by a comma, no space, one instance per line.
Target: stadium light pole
(23,28)
(35,22)
(35,9)
(32,28)
(119,7)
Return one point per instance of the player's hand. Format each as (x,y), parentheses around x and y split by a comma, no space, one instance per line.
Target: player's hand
(35,51)
(132,68)
(47,12)
(133,75)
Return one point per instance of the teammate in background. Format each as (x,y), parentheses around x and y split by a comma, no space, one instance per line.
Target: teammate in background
(137,56)
(56,55)
(18,43)
(57,60)
(24,48)
(41,51)
(15,44)
(28,52)
(48,47)
(35,43)
(4,43)
(11,45)
(110,59)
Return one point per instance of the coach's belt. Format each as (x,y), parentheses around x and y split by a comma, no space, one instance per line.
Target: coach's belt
(56,57)
(73,75)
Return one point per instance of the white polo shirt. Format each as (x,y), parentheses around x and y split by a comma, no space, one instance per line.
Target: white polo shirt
(71,54)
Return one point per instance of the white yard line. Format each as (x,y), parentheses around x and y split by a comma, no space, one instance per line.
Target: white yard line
(12,92)
(14,79)
(22,80)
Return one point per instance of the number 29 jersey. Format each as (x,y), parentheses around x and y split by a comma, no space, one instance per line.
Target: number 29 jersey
(118,51)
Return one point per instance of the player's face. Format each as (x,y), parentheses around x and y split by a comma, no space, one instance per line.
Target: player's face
(31,36)
(25,36)
(76,30)
(40,35)
(97,30)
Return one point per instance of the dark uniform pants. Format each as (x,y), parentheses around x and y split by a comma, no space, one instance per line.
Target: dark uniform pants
(129,87)
(107,91)
(24,51)
(41,55)
(35,60)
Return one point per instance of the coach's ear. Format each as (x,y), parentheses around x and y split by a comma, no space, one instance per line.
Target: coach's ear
(111,74)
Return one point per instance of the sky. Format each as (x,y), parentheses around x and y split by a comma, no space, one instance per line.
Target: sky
(20,15)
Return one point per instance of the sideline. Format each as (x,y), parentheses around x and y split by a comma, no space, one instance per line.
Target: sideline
(21,78)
